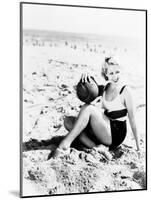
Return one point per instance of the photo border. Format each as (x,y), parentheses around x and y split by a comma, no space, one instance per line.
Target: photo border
(21,92)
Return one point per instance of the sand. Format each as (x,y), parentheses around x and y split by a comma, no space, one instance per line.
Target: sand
(52,66)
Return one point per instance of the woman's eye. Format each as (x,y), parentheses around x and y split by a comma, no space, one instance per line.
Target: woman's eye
(111,73)
(117,72)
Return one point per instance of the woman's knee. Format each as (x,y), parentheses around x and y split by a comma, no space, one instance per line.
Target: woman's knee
(93,112)
(89,108)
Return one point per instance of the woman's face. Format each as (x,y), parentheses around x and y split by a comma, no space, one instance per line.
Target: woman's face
(114,73)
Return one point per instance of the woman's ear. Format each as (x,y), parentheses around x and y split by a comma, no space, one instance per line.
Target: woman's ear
(106,77)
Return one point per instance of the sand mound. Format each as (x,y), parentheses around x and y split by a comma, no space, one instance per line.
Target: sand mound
(84,171)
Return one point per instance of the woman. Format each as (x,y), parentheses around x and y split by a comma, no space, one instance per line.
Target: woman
(109,128)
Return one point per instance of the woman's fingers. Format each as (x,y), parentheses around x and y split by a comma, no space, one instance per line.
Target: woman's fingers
(89,78)
(85,77)
(82,77)
(138,154)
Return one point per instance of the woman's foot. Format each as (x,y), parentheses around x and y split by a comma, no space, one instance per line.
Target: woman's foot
(59,152)
(64,145)
(62,149)
(69,122)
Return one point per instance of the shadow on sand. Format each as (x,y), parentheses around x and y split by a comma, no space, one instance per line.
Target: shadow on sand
(15,193)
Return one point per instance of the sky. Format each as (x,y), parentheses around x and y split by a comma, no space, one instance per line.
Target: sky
(84,20)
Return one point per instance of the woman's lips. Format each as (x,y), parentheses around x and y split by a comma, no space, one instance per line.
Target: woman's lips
(115,81)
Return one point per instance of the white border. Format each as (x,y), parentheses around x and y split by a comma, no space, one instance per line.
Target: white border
(9,112)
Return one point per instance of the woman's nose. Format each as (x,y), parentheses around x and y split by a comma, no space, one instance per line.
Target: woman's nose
(114,76)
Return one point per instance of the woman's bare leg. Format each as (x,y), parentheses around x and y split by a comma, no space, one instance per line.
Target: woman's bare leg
(100,127)
(69,123)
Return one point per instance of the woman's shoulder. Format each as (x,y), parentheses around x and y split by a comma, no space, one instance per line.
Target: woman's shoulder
(126,91)
(126,88)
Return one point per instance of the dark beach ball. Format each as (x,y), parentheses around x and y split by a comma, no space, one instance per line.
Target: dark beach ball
(87,91)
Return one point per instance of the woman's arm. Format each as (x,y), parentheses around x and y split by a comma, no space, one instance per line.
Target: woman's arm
(129,102)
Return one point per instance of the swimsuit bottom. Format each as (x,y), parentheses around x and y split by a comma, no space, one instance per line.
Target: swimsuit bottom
(118,132)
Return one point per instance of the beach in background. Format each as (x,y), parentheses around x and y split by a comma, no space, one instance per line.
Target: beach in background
(52,66)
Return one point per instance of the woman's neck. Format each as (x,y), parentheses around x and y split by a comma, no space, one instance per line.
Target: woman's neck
(115,86)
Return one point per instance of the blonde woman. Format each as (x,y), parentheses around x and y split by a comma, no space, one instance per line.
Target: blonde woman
(108,128)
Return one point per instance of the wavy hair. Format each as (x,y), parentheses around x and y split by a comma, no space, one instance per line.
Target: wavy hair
(107,62)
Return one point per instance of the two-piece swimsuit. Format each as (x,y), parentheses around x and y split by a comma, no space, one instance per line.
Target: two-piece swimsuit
(117,114)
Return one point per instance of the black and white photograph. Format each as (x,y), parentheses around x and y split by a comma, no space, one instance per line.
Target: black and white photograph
(83,94)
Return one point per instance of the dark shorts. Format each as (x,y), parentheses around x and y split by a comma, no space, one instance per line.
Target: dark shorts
(78,144)
(118,131)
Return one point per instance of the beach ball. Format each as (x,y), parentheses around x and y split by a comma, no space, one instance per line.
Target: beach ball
(87,91)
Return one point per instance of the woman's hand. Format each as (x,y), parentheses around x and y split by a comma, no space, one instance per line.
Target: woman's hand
(138,153)
(97,101)
(85,77)
(129,102)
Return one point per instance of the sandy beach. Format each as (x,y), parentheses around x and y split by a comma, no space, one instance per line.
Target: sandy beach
(52,66)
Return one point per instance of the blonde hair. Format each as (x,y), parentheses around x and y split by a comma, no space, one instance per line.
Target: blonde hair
(107,62)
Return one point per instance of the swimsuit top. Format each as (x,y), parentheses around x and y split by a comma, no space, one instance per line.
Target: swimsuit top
(114,109)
